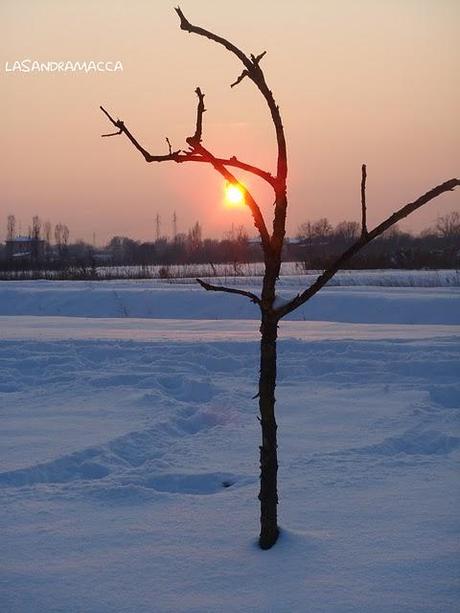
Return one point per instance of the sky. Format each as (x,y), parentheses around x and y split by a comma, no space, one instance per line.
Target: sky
(356,80)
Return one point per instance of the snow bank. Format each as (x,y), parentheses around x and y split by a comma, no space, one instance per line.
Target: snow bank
(152,299)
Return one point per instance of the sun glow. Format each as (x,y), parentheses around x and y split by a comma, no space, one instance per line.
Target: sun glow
(234,195)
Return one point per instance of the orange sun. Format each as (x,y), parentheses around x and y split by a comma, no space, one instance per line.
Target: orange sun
(234,195)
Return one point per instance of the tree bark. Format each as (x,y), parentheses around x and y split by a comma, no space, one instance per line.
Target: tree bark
(268,495)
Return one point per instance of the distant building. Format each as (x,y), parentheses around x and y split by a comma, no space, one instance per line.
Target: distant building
(25,248)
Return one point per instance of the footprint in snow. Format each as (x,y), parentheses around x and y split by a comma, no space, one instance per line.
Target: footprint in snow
(197,484)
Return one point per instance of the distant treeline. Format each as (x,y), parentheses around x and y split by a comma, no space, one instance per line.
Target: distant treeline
(316,245)
(436,247)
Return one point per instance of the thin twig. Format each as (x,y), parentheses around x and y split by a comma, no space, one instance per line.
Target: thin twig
(256,59)
(229,290)
(245,73)
(196,138)
(122,129)
(112,134)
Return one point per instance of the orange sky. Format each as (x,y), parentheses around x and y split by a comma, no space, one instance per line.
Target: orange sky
(357,81)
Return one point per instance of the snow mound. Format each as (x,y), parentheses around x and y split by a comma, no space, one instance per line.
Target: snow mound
(69,468)
(429,442)
(405,305)
(131,458)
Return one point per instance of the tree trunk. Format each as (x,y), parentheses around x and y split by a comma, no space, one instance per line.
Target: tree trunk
(268,495)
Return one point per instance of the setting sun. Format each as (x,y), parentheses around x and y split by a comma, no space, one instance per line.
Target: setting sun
(234,195)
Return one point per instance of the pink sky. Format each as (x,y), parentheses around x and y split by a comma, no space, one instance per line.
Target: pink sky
(356,80)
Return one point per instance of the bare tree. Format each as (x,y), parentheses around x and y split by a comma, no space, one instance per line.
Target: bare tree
(272,242)
(65,235)
(347,231)
(195,236)
(36,227)
(448,226)
(58,235)
(47,231)
(47,237)
(194,242)
(10,227)
(322,228)
(61,237)
(315,231)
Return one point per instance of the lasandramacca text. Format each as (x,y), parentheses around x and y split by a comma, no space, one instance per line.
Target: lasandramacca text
(28,65)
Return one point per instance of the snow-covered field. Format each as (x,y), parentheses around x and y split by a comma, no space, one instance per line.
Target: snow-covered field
(129,451)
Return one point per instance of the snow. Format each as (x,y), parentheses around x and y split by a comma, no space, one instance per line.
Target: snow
(129,451)
(159,300)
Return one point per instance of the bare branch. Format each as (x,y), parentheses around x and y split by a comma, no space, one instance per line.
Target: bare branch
(196,138)
(112,134)
(107,114)
(245,73)
(188,27)
(255,73)
(363,200)
(229,290)
(179,156)
(362,242)
(233,162)
(122,129)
